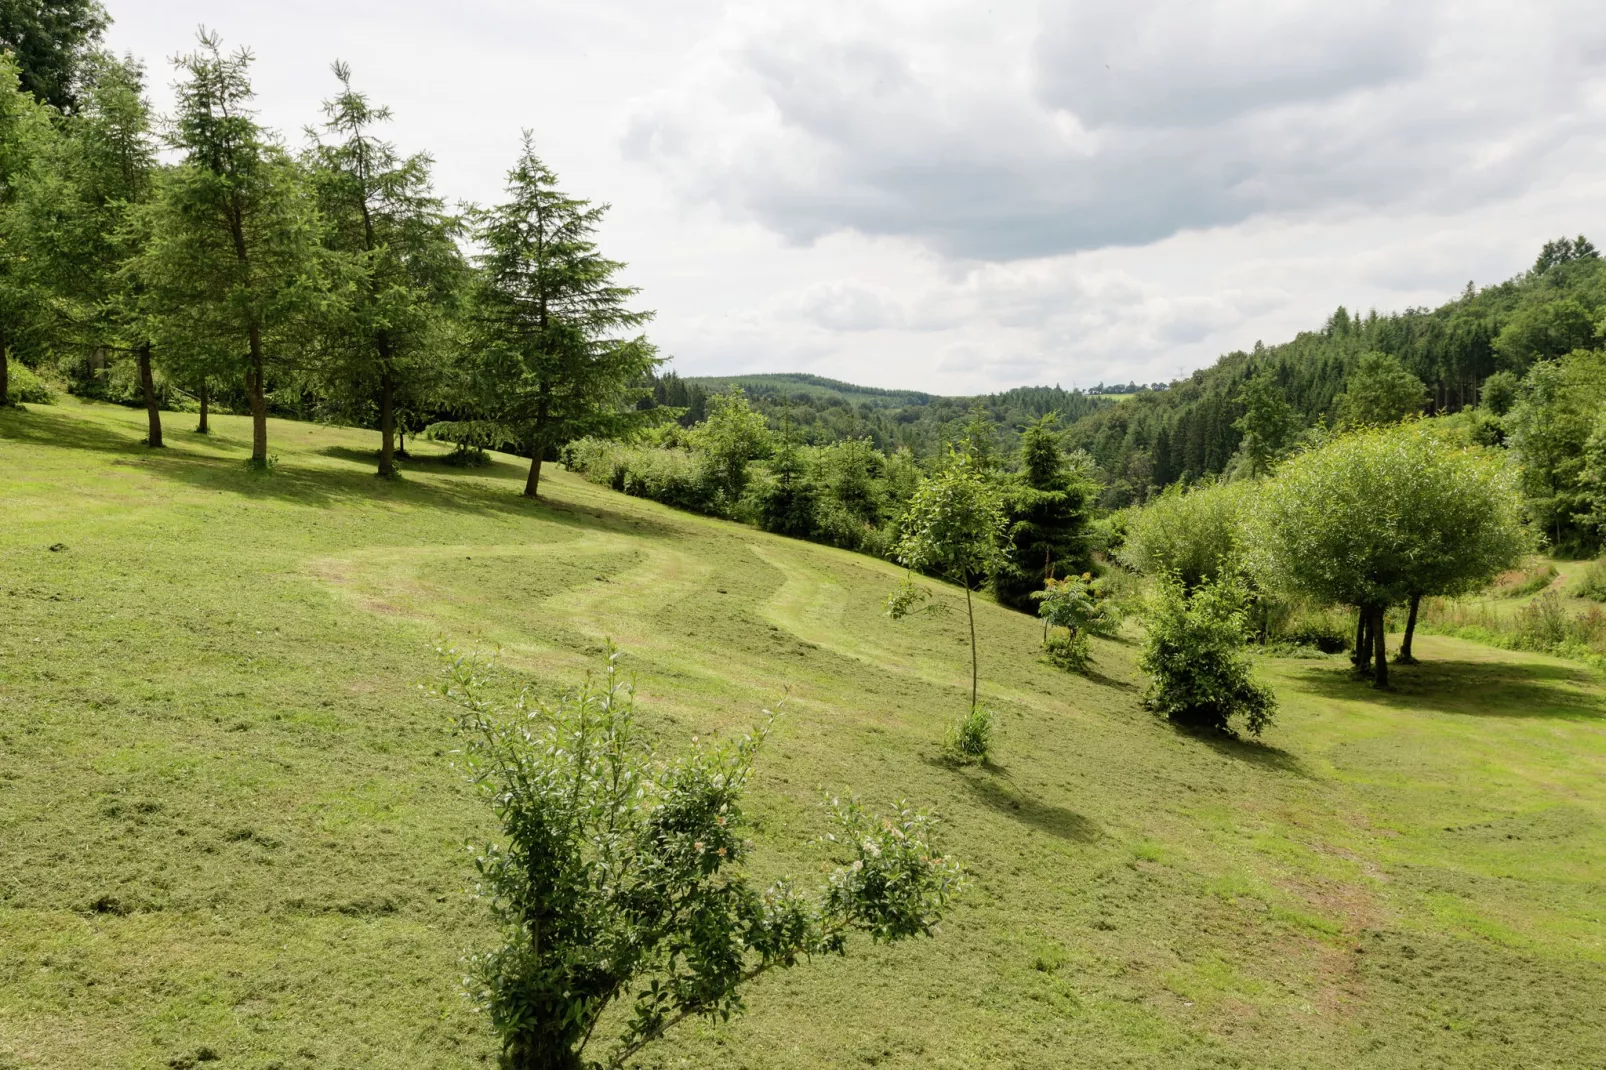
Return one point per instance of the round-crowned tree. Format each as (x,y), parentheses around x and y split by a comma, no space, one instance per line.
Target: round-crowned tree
(1386,516)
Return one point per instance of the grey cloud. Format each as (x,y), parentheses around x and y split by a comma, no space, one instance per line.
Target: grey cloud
(1208,115)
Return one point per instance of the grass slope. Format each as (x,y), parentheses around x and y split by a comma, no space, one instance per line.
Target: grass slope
(230,826)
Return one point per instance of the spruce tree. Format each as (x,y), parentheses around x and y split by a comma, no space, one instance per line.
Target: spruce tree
(552,359)
(394,241)
(1048,505)
(230,267)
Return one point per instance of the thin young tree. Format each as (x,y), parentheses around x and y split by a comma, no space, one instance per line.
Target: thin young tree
(230,267)
(398,256)
(552,354)
(954,527)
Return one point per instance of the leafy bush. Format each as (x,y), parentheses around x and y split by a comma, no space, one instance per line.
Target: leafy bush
(1325,629)
(970,739)
(23,387)
(1592,584)
(619,879)
(1192,533)
(1196,656)
(1071,651)
(465,456)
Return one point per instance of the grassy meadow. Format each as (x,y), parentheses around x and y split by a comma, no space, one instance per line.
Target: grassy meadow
(232,833)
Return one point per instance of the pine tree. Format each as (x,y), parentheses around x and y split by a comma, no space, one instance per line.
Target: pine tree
(394,243)
(230,266)
(1047,507)
(550,361)
(53,42)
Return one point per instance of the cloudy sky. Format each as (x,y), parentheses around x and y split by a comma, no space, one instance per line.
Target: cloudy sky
(967,197)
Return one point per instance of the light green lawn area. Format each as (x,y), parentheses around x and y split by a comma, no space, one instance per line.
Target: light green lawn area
(230,823)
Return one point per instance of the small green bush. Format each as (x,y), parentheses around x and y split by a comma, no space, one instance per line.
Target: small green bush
(1197,658)
(23,387)
(465,456)
(1069,650)
(1592,584)
(970,739)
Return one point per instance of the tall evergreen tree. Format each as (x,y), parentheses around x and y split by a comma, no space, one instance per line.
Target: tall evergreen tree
(395,242)
(25,138)
(1047,506)
(54,42)
(551,357)
(230,265)
(1268,423)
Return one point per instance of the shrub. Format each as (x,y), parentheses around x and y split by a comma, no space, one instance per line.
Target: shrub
(1192,533)
(970,739)
(1592,584)
(619,878)
(1069,650)
(23,387)
(1197,659)
(465,456)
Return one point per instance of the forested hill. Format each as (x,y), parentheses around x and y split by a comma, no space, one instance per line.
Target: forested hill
(1187,430)
(820,411)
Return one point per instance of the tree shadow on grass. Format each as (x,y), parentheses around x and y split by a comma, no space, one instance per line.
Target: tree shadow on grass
(1251,751)
(38,426)
(992,786)
(1473,688)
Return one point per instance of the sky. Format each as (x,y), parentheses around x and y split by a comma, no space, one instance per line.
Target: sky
(961,198)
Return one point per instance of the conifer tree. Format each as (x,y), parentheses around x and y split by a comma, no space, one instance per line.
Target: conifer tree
(1268,423)
(394,240)
(53,42)
(25,137)
(551,359)
(1047,506)
(230,267)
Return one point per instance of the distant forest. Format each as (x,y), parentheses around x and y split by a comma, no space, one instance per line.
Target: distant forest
(1181,432)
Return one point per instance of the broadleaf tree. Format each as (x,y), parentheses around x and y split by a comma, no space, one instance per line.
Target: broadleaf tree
(954,527)
(387,337)
(552,354)
(26,137)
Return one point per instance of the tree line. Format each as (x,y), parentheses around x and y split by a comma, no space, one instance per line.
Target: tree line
(332,282)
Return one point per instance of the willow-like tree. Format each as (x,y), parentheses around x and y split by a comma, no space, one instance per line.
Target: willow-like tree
(1382,517)
(25,137)
(554,352)
(394,241)
(231,267)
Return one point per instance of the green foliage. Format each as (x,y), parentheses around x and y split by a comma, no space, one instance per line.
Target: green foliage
(1192,532)
(228,268)
(1549,431)
(1592,584)
(1196,656)
(26,140)
(28,388)
(1073,603)
(1377,516)
(732,436)
(1069,650)
(551,360)
(788,501)
(1268,424)
(1048,505)
(1381,391)
(619,876)
(1544,332)
(954,526)
(393,245)
(969,740)
(55,45)
(1499,392)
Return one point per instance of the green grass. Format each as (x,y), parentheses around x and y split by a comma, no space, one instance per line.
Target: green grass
(229,818)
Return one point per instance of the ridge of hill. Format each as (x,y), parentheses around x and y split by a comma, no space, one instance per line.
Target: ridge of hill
(230,822)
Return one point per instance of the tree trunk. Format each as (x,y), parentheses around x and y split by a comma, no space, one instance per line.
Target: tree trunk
(147,386)
(387,423)
(1380,660)
(531,484)
(205,398)
(257,389)
(1405,657)
(1362,658)
(971,613)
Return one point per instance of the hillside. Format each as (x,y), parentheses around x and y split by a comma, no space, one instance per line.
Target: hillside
(231,827)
